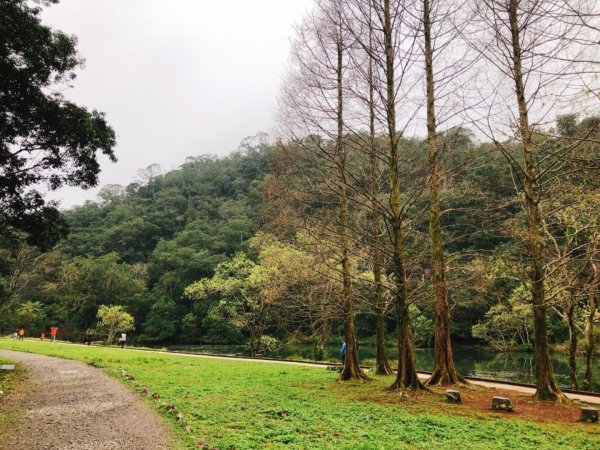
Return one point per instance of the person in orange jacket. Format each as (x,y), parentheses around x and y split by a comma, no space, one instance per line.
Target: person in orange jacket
(53,332)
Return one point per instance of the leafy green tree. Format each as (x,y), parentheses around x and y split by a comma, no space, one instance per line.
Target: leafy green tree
(189,325)
(112,320)
(89,282)
(507,325)
(16,260)
(45,141)
(30,315)
(163,320)
(244,297)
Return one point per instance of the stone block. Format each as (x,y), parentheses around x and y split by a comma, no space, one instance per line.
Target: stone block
(589,414)
(453,396)
(502,404)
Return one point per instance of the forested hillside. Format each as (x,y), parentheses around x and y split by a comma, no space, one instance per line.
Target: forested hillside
(142,245)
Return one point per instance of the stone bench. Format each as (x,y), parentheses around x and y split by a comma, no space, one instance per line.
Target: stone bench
(589,415)
(502,404)
(453,396)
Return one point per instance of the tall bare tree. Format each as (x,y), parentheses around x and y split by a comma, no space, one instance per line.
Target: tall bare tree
(537,53)
(593,301)
(437,37)
(313,106)
(360,25)
(389,14)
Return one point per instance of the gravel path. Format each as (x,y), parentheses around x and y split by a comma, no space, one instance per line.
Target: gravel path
(73,406)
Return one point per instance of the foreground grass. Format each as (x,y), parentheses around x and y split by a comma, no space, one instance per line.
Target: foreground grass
(236,404)
(9,382)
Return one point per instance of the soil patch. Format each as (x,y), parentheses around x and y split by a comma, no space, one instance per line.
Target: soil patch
(524,406)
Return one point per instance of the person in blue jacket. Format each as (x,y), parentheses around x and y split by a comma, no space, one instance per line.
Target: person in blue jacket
(343,350)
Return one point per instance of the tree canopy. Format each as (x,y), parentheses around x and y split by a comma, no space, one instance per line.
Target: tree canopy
(46,141)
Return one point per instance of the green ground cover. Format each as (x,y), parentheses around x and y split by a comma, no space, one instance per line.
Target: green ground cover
(9,381)
(236,404)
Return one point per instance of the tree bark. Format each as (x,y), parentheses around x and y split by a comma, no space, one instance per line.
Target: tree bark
(382,365)
(254,343)
(351,368)
(444,370)
(546,386)
(407,371)
(589,327)
(317,350)
(572,344)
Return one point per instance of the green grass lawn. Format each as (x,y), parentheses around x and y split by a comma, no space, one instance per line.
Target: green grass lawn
(9,381)
(236,404)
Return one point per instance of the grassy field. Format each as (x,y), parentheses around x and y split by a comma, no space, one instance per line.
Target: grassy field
(9,381)
(236,404)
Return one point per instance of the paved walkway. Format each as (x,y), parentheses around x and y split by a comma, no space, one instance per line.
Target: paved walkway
(73,406)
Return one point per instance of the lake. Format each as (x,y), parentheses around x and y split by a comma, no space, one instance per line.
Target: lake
(471,361)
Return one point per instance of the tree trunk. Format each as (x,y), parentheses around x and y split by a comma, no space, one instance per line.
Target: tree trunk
(546,386)
(444,370)
(407,371)
(254,342)
(319,340)
(351,368)
(317,350)
(589,326)
(572,344)
(382,365)
(111,335)
(406,376)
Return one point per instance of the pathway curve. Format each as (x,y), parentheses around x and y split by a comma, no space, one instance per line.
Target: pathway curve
(73,406)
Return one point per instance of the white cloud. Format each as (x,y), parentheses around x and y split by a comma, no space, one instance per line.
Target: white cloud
(176,78)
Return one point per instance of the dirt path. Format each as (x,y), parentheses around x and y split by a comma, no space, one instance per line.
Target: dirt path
(73,406)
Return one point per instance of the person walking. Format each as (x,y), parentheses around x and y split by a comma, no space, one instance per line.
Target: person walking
(42,336)
(122,340)
(343,351)
(53,333)
(22,333)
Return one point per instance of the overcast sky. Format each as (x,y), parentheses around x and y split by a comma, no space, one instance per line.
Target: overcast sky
(176,78)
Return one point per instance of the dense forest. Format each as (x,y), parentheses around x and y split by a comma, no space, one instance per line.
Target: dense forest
(233,221)
(435,180)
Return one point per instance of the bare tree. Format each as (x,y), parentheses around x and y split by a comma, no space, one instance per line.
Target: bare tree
(593,301)
(365,82)
(313,105)
(390,18)
(437,36)
(540,56)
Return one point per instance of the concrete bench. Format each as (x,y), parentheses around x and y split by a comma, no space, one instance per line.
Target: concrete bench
(589,414)
(453,396)
(502,404)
